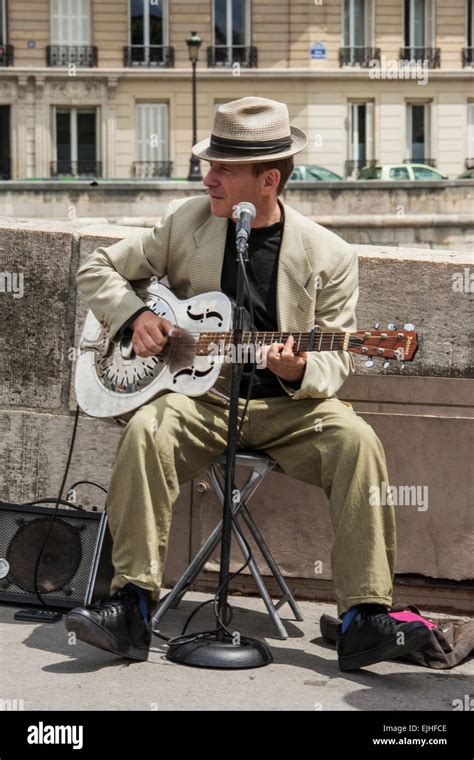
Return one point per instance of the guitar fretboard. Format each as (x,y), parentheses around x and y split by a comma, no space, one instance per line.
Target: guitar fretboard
(323,341)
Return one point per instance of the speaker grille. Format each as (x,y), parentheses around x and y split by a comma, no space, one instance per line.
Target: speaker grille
(60,559)
(69,559)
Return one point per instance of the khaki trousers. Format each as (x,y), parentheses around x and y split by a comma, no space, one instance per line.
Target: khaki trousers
(319,441)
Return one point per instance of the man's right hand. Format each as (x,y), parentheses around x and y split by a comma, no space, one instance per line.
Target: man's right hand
(149,334)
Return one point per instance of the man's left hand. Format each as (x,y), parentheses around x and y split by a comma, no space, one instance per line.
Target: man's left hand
(284,362)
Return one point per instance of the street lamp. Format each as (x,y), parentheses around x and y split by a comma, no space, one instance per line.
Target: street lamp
(194,43)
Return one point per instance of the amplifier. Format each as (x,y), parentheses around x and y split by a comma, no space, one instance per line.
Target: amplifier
(76,566)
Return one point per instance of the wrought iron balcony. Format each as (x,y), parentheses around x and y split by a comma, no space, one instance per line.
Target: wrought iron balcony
(428,55)
(152,169)
(148,55)
(64,55)
(358,56)
(354,165)
(228,55)
(76,168)
(426,161)
(468,56)
(6,55)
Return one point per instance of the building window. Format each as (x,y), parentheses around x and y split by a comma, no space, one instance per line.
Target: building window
(3,22)
(71,34)
(148,34)
(358,33)
(360,151)
(231,34)
(418,132)
(419,32)
(76,143)
(468,52)
(5,158)
(6,50)
(152,136)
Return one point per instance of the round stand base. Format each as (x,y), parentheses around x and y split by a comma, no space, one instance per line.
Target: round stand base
(208,652)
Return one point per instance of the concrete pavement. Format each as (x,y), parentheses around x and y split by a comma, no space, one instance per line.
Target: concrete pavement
(45,671)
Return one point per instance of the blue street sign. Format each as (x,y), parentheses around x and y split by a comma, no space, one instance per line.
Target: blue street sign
(317,51)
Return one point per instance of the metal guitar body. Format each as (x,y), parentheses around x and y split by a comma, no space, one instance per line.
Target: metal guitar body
(112,380)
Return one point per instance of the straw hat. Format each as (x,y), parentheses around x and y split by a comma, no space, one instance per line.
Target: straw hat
(251,129)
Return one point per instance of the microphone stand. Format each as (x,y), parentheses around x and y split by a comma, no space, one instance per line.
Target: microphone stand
(223,649)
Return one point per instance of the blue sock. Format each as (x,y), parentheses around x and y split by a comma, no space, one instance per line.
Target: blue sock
(347,618)
(144,597)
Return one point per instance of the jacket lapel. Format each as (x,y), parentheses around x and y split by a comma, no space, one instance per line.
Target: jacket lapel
(294,271)
(205,262)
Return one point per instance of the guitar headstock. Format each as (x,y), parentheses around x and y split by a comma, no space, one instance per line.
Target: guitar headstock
(392,343)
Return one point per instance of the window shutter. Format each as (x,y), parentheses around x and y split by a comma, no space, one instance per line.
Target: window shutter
(70,22)
(369,125)
(429,23)
(152,132)
(369,23)
(470,130)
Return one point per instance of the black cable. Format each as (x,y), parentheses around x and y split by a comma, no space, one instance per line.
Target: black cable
(53,501)
(90,482)
(221,624)
(58,501)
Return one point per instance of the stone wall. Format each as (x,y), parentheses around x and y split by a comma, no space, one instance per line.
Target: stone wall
(406,214)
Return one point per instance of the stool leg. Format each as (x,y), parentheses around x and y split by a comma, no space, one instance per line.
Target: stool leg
(247,492)
(259,540)
(264,593)
(173,598)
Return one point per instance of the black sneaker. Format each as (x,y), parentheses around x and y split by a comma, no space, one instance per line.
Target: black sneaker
(114,624)
(373,636)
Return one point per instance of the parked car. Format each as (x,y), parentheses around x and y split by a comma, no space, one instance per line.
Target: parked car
(468,174)
(400,172)
(311,173)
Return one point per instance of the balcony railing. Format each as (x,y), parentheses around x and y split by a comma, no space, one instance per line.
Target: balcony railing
(354,165)
(6,55)
(64,55)
(358,56)
(152,169)
(429,55)
(148,55)
(426,161)
(76,168)
(228,55)
(5,170)
(468,56)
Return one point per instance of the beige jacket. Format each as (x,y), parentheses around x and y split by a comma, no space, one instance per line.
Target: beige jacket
(317,279)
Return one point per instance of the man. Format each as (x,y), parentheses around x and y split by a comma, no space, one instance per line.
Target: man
(300,274)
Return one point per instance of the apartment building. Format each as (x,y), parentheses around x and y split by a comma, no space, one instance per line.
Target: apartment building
(102,88)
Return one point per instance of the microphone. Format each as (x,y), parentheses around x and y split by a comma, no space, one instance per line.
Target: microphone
(244,213)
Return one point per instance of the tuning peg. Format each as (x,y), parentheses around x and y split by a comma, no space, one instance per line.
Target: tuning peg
(376,325)
(386,364)
(392,327)
(369,363)
(409,326)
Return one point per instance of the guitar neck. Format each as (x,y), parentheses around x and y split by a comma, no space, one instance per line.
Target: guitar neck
(322,341)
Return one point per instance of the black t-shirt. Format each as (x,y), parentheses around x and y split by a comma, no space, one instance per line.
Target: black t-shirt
(262,269)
